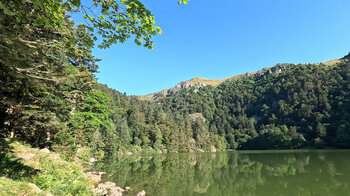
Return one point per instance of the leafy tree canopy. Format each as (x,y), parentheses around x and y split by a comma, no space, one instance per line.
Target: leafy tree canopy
(111,20)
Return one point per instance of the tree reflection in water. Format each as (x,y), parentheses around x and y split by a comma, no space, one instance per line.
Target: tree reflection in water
(234,173)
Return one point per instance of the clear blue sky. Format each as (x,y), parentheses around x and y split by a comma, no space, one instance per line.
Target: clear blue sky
(219,39)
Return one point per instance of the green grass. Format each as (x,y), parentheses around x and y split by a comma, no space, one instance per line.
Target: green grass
(20,165)
(12,187)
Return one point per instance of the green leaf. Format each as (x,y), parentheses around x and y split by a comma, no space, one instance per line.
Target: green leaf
(182,1)
(76,2)
(91,18)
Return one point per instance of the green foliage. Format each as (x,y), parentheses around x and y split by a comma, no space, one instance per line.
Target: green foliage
(47,78)
(50,98)
(342,138)
(113,21)
(287,106)
(11,166)
(182,1)
(62,178)
(91,118)
(20,165)
(12,187)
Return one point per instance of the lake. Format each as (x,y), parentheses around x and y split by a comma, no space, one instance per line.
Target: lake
(251,173)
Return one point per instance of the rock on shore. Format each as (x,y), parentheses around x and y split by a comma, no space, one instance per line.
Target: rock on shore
(108,188)
(142,193)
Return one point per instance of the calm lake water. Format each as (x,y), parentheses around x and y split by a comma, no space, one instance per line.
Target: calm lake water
(251,173)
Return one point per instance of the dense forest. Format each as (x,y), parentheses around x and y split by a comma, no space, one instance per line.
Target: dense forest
(49,96)
(286,106)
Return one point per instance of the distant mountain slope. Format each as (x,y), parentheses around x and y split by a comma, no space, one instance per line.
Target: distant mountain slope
(194,82)
(199,82)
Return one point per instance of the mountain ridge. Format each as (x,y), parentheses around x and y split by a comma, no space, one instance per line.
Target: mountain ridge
(199,82)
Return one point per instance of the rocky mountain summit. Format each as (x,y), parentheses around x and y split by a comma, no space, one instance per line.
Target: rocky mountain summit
(196,82)
(185,84)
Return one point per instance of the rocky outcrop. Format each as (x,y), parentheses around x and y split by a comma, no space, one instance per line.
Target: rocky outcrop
(26,156)
(197,117)
(108,188)
(273,70)
(183,85)
(196,82)
(35,188)
(127,188)
(142,193)
(45,150)
(96,176)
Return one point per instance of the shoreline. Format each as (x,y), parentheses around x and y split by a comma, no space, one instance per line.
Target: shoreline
(31,171)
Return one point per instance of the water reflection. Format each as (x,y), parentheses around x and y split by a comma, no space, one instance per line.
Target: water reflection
(234,173)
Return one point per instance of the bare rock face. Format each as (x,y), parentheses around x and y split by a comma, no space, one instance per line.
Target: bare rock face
(35,189)
(55,156)
(142,193)
(197,117)
(100,192)
(184,84)
(116,191)
(273,70)
(95,175)
(26,156)
(127,188)
(108,188)
(45,150)
(106,185)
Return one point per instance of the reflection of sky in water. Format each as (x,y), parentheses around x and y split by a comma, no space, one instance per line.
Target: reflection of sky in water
(260,173)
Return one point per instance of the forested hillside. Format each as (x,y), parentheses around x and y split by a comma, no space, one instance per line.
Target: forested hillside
(49,96)
(286,106)
(289,106)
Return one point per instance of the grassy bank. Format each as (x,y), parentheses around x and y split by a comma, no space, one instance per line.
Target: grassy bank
(30,171)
